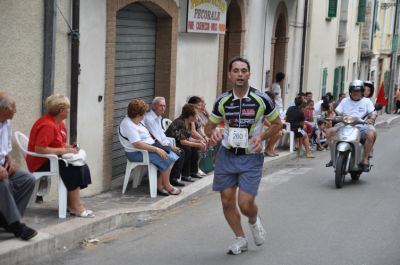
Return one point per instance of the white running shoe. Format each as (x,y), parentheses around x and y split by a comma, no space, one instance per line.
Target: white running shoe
(239,246)
(258,232)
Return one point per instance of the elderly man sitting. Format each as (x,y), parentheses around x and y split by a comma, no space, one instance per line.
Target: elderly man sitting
(152,121)
(16,187)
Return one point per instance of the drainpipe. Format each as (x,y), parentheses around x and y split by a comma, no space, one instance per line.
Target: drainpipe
(75,69)
(50,17)
(303,45)
(393,58)
(263,52)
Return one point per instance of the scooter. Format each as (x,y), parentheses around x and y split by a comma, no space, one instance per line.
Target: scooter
(347,149)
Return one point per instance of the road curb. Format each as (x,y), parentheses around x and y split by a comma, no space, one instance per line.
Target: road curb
(386,122)
(64,236)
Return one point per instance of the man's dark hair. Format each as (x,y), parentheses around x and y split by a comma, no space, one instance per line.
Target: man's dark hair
(329,96)
(279,76)
(341,95)
(301,94)
(298,101)
(325,106)
(239,59)
(308,93)
(321,122)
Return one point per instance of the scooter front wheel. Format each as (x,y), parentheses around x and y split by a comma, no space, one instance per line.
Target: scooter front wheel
(340,171)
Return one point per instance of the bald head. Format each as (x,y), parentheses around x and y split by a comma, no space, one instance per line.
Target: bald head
(159,105)
(7,107)
(5,100)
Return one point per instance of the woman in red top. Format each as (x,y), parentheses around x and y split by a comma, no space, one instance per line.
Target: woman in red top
(49,136)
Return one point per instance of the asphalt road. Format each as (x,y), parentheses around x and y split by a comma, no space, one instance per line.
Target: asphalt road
(308,221)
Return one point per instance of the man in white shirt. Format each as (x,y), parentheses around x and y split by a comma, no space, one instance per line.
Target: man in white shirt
(152,121)
(359,106)
(16,186)
(277,90)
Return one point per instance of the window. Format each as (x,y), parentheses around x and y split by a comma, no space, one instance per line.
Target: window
(338,81)
(342,37)
(362,5)
(332,8)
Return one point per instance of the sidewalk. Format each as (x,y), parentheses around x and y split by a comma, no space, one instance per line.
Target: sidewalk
(113,211)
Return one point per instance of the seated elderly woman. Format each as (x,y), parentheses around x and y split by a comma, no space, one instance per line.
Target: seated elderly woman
(181,130)
(134,135)
(49,136)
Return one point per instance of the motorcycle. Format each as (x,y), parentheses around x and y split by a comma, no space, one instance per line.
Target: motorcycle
(347,149)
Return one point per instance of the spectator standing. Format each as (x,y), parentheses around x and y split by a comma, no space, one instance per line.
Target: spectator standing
(295,116)
(276,88)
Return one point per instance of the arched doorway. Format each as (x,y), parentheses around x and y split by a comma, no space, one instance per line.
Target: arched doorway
(232,44)
(140,63)
(279,45)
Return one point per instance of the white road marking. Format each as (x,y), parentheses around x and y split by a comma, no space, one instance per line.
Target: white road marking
(284,175)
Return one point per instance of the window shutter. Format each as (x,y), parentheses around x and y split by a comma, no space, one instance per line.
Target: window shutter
(362,5)
(332,8)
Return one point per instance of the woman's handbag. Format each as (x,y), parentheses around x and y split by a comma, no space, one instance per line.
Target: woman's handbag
(206,163)
(77,159)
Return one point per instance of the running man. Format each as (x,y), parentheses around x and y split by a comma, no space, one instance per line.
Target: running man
(239,161)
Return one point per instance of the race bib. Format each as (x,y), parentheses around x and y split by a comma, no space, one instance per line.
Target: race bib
(238,137)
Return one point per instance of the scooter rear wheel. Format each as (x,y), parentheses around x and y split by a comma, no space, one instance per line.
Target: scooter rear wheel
(340,171)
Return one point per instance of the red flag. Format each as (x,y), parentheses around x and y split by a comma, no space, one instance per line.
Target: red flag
(381,99)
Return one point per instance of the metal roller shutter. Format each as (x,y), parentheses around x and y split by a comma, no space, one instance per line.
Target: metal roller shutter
(134,69)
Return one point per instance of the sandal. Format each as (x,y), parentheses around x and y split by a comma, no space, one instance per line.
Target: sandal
(310,155)
(84,214)
(162,192)
(174,191)
(268,154)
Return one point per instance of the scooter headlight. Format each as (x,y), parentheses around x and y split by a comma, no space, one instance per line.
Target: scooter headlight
(349,119)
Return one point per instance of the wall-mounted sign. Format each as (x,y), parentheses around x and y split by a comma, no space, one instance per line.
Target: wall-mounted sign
(207,16)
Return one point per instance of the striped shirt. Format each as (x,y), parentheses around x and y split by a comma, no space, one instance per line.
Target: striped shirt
(248,112)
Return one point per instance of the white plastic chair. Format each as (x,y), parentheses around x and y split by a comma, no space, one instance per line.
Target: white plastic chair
(288,136)
(22,142)
(137,177)
(165,123)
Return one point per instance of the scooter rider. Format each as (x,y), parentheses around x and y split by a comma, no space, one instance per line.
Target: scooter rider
(358,106)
